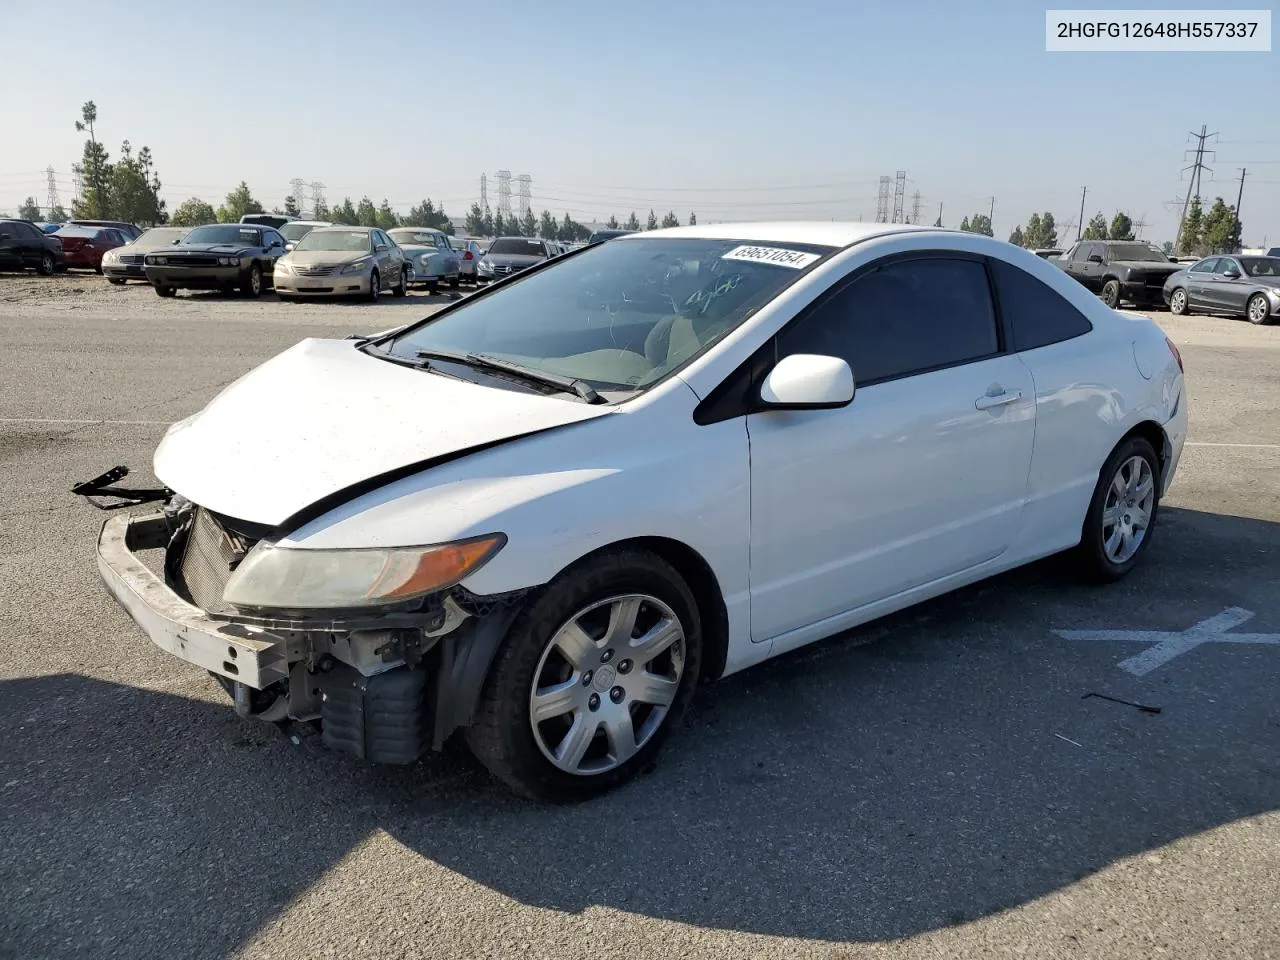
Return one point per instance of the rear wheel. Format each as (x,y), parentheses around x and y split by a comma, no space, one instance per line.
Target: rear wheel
(252,286)
(454,281)
(1178,302)
(46,265)
(1111,293)
(591,679)
(1118,527)
(1258,310)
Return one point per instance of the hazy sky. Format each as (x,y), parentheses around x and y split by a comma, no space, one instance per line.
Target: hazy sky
(735,110)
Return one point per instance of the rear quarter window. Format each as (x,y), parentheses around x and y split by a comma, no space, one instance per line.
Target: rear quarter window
(1036,314)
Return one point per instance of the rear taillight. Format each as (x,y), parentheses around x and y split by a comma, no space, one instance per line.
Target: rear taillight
(467,255)
(1176,355)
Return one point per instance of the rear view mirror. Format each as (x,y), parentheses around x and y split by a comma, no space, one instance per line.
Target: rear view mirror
(808,381)
(1095,258)
(1231,274)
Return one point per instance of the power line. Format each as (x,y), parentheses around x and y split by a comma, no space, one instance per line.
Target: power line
(1196,168)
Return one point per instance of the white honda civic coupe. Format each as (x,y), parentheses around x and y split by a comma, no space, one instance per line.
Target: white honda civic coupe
(543,514)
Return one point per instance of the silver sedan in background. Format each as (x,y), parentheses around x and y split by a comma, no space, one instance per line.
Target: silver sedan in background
(1232,285)
(342,261)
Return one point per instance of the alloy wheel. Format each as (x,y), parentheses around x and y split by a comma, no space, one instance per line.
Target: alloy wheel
(1126,513)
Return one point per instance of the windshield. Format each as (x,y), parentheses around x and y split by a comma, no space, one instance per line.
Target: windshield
(1261,266)
(242,236)
(518,246)
(161,236)
(619,316)
(1135,251)
(345,241)
(296,231)
(421,238)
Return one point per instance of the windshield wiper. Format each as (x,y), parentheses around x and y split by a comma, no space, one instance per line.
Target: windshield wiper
(483,361)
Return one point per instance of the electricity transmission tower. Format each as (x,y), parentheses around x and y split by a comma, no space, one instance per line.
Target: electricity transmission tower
(484,192)
(526,193)
(298,186)
(899,191)
(882,201)
(915,207)
(1197,167)
(53,190)
(504,193)
(1138,226)
(77,179)
(317,197)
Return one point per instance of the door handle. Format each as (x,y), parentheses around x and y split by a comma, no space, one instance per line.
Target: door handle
(999,400)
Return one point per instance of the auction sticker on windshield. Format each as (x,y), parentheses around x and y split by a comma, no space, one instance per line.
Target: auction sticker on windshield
(795,259)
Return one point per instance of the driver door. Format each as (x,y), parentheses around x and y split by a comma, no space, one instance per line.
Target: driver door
(922,476)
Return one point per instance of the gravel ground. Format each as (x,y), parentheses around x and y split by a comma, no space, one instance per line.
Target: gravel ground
(932,785)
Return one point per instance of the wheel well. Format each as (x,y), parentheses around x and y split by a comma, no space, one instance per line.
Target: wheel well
(697,573)
(1154,434)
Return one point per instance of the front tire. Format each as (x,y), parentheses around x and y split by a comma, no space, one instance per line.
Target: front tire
(454,282)
(1178,302)
(401,289)
(253,283)
(591,679)
(375,286)
(433,287)
(117,281)
(1122,514)
(1111,293)
(166,291)
(1258,310)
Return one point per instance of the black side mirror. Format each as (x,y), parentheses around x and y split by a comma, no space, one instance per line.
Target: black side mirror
(1095,258)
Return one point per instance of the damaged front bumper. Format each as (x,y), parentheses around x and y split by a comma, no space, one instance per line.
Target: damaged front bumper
(382,687)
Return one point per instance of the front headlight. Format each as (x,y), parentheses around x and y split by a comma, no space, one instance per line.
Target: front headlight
(356,267)
(110,257)
(424,259)
(485,266)
(288,578)
(228,261)
(282,266)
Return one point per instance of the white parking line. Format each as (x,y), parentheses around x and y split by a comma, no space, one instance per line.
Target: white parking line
(1246,446)
(1165,645)
(128,423)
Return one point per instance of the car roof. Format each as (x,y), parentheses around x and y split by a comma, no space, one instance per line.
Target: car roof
(822,232)
(342,226)
(415,229)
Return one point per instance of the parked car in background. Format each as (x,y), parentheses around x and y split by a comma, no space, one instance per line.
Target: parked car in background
(24,246)
(84,247)
(125,263)
(131,231)
(430,255)
(1274,252)
(273,220)
(223,256)
(470,250)
(600,236)
(1048,253)
(342,261)
(508,255)
(1119,270)
(49,227)
(1233,285)
(547,528)
(295,230)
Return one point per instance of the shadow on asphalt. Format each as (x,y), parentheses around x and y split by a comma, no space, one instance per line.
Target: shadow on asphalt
(904,777)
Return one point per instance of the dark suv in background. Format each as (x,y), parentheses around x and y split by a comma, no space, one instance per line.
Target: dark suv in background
(1120,270)
(24,245)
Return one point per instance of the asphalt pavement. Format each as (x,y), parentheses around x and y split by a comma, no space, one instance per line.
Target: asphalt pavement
(952,781)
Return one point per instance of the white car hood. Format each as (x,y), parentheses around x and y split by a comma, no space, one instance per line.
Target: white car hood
(323,416)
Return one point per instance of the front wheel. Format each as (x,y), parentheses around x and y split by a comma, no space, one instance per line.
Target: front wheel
(252,286)
(117,281)
(1258,310)
(1111,293)
(454,281)
(591,679)
(433,287)
(401,289)
(165,291)
(1178,302)
(1118,527)
(375,286)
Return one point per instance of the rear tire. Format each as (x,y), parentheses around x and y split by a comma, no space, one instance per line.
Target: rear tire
(46,265)
(1120,501)
(1258,310)
(454,282)
(1111,293)
(503,737)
